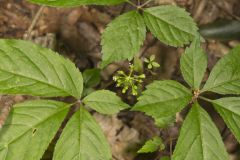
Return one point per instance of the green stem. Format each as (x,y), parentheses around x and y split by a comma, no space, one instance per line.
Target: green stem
(202,91)
(131,71)
(206,99)
(146,3)
(131,3)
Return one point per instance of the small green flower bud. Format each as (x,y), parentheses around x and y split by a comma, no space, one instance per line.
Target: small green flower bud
(142,76)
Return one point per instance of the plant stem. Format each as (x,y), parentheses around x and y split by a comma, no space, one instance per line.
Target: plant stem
(146,3)
(131,3)
(206,99)
(131,71)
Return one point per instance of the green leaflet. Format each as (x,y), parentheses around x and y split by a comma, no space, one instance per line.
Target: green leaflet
(164,122)
(199,138)
(152,145)
(225,76)
(163,99)
(26,68)
(82,139)
(229,109)
(165,158)
(91,77)
(123,38)
(105,102)
(30,128)
(170,24)
(194,64)
(75,3)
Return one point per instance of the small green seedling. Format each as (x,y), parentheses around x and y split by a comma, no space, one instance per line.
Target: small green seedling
(151,62)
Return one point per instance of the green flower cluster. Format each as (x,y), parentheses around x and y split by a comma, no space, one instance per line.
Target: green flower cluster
(129,81)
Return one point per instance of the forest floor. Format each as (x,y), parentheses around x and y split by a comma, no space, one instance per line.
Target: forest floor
(76,33)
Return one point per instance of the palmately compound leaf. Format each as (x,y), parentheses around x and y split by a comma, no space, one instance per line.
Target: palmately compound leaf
(199,138)
(123,38)
(229,109)
(163,99)
(225,76)
(170,24)
(75,3)
(82,139)
(105,102)
(30,128)
(152,145)
(26,68)
(193,64)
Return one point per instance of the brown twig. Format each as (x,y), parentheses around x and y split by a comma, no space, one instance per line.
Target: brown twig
(200,9)
(4,115)
(34,21)
(6,105)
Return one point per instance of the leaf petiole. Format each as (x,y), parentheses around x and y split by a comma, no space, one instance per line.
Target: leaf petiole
(131,3)
(144,4)
(206,99)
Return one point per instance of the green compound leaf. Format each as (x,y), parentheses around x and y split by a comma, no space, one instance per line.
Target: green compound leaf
(30,128)
(152,145)
(75,3)
(26,68)
(194,64)
(170,24)
(199,138)
(105,102)
(123,38)
(82,139)
(163,99)
(229,109)
(225,76)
